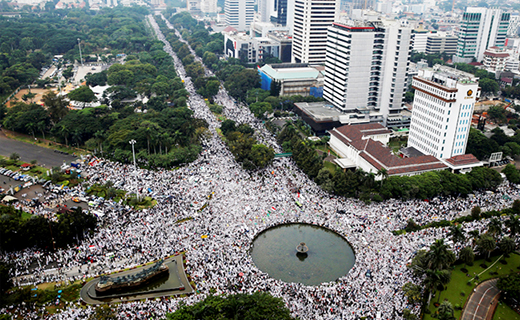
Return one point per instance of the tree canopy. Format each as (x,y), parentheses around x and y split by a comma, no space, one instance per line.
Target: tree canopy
(257,306)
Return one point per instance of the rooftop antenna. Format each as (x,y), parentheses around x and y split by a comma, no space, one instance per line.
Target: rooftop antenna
(80,56)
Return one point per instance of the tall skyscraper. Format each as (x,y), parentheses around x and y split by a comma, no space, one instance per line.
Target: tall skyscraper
(239,13)
(442,111)
(279,15)
(481,28)
(311,20)
(264,9)
(366,68)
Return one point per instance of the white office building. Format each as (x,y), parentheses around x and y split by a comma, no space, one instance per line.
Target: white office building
(481,28)
(239,14)
(264,10)
(366,69)
(311,20)
(442,111)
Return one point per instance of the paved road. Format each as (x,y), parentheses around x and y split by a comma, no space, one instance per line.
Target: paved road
(46,157)
(480,305)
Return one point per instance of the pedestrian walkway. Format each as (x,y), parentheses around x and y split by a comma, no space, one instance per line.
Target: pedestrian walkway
(482,302)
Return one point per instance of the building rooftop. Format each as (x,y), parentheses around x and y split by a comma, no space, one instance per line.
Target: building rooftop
(288,71)
(463,160)
(380,156)
(320,111)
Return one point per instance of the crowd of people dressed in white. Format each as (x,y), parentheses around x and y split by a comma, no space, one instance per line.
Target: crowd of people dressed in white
(237,206)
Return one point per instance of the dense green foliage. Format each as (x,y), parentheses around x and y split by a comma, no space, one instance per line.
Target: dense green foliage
(257,306)
(244,146)
(166,134)
(510,285)
(28,43)
(482,147)
(18,234)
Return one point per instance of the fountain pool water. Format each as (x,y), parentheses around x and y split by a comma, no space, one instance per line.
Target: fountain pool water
(328,257)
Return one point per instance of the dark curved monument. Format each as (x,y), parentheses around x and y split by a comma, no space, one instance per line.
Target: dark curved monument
(331,257)
(163,278)
(108,285)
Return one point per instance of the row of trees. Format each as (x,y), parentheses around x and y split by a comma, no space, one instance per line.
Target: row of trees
(16,233)
(236,78)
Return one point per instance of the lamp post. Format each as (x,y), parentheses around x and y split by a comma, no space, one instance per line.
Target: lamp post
(80,56)
(132,142)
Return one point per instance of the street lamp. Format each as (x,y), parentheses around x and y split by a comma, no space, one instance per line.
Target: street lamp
(132,142)
(80,56)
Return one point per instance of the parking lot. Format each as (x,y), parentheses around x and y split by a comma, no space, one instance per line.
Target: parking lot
(46,157)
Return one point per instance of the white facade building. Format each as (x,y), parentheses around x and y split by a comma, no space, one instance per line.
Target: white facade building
(481,28)
(264,10)
(239,13)
(366,69)
(495,59)
(442,112)
(419,41)
(311,20)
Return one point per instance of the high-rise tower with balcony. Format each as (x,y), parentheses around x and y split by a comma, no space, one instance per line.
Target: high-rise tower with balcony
(366,69)
(311,20)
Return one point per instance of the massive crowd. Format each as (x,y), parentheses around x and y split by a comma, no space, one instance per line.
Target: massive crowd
(238,205)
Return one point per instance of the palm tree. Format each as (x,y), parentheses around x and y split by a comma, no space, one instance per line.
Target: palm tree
(446,311)
(76,137)
(494,227)
(486,243)
(41,127)
(467,255)
(440,257)
(434,279)
(514,226)
(30,127)
(456,234)
(100,137)
(65,131)
(507,245)
(383,173)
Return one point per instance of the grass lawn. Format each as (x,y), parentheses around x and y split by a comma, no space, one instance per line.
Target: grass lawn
(459,281)
(26,215)
(329,166)
(396,145)
(504,312)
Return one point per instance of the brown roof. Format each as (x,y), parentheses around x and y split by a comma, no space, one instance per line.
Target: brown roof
(379,156)
(463,159)
(230,29)
(496,54)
